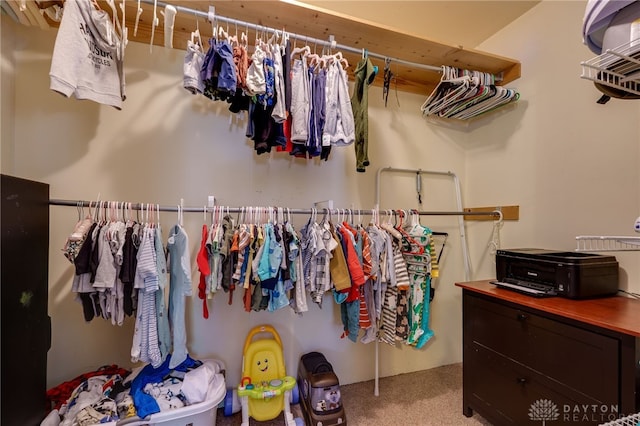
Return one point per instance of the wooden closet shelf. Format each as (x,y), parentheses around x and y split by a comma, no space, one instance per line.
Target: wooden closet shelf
(318,23)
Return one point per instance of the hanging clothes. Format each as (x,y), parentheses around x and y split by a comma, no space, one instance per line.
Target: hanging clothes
(179,263)
(365,73)
(193,61)
(145,346)
(339,125)
(381,275)
(87,56)
(218,72)
(300,106)
(202,260)
(419,269)
(164,330)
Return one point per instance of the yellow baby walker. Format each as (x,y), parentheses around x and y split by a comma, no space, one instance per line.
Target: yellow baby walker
(265,389)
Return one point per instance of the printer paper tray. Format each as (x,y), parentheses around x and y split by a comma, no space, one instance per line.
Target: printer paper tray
(524,289)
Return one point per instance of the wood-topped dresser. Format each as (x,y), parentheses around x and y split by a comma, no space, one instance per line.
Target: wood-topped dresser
(530,360)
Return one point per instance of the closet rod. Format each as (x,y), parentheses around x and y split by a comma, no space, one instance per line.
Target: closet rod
(138,206)
(300,37)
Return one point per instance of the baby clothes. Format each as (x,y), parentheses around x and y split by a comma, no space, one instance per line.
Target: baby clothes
(87,56)
(192,65)
(179,287)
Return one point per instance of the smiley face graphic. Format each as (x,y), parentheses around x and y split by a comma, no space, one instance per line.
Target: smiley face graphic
(264,366)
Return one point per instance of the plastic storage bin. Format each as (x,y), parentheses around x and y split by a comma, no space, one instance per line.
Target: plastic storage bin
(200,414)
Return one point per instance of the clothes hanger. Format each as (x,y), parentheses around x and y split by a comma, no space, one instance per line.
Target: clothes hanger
(138,13)
(453,91)
(274,37)
(274,215)
(475,89)
(114,15)
(313,58)
(244,39)
(169,14)
(103,212)
(154,24)
(348,223)
(495,96)
(303,51)
(387,226)
(196,38)
(222,34)
(180,212)
(121,211)
(415,221)
(494,244)
(502,98)
(148,215)
(233,39)
(145,214)
(447,80)
(125,31)
(482,93)
(405,235)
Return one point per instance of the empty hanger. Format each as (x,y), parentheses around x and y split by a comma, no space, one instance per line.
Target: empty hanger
(169,14)
(154,24)
(138,13)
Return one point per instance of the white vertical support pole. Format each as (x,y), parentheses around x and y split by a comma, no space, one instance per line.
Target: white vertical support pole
(376,386)
(465,250)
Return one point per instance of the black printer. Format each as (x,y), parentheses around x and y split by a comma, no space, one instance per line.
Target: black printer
(541,272)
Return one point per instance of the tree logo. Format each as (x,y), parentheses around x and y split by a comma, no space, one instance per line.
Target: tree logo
(544,409)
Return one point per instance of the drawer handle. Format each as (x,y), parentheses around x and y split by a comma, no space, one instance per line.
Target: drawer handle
(521,380)
(522,317)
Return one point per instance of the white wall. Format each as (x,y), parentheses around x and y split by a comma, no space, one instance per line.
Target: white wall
(571,164)
(166,145)
(6,88)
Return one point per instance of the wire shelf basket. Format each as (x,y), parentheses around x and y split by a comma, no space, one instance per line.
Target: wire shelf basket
(607,243)
(618,68)
(632,420)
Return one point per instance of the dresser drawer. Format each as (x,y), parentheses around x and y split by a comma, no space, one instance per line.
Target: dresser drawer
(582,360)
(509,391)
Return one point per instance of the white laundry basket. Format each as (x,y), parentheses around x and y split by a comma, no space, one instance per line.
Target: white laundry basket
(200,414)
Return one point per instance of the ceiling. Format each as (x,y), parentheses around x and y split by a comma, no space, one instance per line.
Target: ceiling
(463,23)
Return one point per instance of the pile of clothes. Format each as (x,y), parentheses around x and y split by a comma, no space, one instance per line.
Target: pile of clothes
(111,394)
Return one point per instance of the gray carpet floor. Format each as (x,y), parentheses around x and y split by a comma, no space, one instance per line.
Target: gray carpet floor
(429,397)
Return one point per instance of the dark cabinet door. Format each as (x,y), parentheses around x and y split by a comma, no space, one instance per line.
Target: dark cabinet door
(25,324)
(522,365)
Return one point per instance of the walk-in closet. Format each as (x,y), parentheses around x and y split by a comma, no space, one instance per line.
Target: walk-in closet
(325,187)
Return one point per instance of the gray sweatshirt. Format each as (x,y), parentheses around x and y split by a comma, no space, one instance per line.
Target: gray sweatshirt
(87,60)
